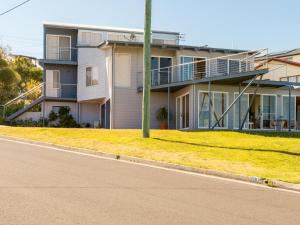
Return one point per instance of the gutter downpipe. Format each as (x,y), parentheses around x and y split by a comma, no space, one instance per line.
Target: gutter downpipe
(112,87)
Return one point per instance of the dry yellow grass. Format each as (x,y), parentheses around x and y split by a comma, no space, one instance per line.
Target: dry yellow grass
(267,155)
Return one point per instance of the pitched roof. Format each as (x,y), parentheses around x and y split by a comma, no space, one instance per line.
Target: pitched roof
(279,60)
(281,54)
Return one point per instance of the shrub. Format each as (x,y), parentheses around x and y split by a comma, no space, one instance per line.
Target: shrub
(52,116)
(65,119)
(30,123)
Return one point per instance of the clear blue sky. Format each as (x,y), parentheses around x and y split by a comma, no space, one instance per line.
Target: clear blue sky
(252,24)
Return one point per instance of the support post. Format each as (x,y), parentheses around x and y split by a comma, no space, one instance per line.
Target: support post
(168,107)
(290,104)
(168,98)
(105,119)
(44,107)
(240,85)
(147,70)
(209,106)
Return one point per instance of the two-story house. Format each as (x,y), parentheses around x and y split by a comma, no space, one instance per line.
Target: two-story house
(97,72)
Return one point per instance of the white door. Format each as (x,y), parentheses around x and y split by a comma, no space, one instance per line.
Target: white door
(52,83)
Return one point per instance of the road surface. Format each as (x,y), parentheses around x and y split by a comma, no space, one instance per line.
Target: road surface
(43,186)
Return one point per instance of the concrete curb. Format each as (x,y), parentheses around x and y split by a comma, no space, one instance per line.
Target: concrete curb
(250,179)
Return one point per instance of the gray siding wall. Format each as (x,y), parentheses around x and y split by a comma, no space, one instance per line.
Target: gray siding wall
(68,75)
(128,102)
(89,113)
(67,32)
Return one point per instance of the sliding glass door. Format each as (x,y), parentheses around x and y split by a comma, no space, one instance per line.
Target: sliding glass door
(268,111)
(285,112)
(239,117)
(218,105)
(183,112)
(203,106)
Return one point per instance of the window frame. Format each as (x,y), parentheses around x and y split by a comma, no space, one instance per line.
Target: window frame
(93,81)
(59,106)
(226,118)
(59,55)
(159,69)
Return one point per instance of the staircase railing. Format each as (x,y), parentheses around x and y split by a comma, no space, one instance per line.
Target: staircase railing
(22,100)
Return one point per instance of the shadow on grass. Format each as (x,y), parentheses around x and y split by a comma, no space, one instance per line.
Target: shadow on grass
(231,148)
(282,134)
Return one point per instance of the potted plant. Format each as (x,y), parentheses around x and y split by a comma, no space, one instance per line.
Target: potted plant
(162,117)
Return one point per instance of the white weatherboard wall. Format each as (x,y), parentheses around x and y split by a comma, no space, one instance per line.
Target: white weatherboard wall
(95,58)
(73,108)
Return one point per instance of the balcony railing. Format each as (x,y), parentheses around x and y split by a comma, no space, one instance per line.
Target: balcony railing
(61,91)
(62,54)
(196,70)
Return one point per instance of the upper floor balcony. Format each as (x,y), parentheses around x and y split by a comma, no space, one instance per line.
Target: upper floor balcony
(196,69)
(60,91)
(59,49)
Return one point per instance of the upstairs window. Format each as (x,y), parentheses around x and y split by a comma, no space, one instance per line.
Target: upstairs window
(91,76)
(90,38)
(58,47)
(161,71)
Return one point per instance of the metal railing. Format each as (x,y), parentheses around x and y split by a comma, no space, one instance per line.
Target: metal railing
(64,54)
(203,68)
(23,100)
(61,90)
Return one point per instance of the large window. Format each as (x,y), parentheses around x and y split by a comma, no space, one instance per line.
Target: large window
(91,76)
(56,109)
(285,111)
(268,111)
(58,47)
(218,104)
(161,73)
(239,116)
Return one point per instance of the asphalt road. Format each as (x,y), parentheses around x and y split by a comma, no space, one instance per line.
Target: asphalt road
(41,186)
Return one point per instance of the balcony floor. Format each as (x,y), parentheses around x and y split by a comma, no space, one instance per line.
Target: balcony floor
(231,79)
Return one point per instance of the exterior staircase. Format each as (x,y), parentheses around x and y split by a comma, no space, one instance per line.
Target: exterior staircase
(23,110)
(26,100)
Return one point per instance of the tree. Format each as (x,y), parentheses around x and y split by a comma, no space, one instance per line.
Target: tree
(9,80)
(28,71)
(147,70)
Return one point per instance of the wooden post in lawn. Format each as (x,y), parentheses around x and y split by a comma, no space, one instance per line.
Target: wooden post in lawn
(147,70)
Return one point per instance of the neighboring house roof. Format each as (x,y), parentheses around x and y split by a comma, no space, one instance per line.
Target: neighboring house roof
(105,28)
(173,47)
(281,54)
(280,60)
(285,53)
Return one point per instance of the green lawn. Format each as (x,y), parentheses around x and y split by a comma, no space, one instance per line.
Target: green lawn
(267,155)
